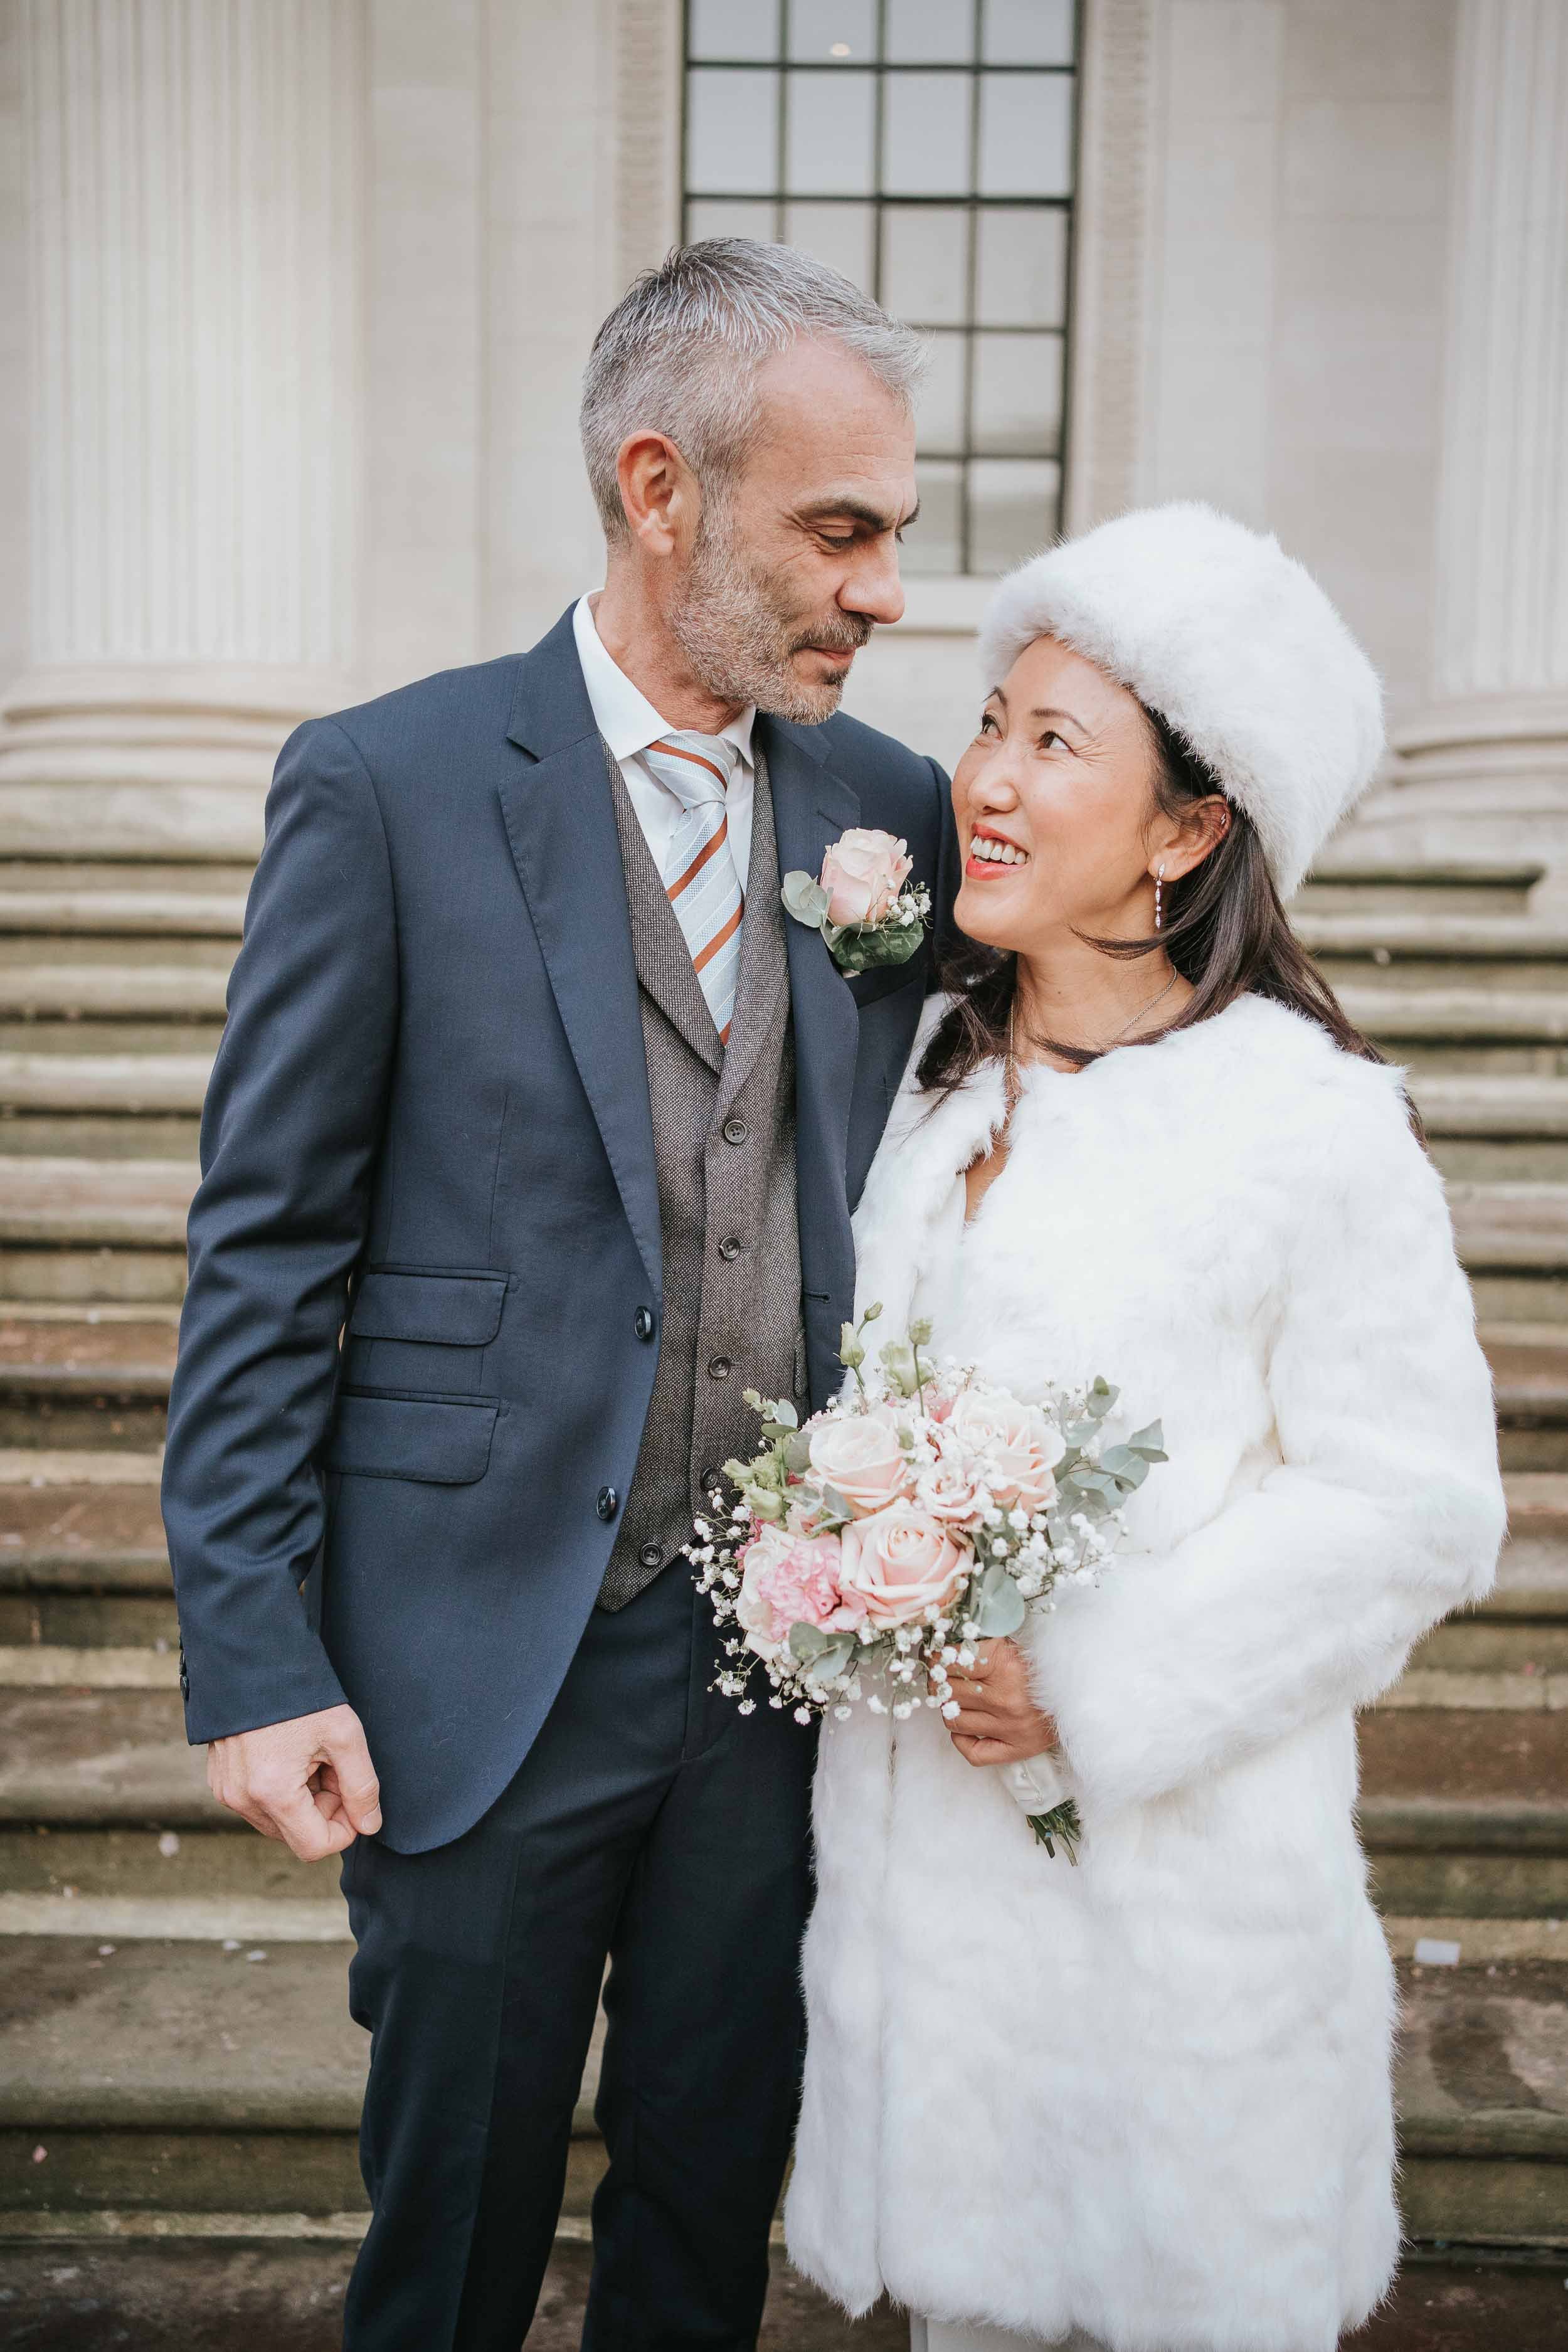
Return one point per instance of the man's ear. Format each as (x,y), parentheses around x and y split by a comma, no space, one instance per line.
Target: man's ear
(658,492)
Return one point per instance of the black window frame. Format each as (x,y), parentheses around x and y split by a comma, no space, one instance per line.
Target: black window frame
(780,197)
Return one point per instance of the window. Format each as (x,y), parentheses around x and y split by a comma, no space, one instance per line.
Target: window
(925,148)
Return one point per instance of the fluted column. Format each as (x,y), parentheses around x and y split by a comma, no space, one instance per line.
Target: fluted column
(193,196)
(1488,760)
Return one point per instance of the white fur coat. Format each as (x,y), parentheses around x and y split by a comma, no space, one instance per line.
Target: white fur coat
(1150,2097)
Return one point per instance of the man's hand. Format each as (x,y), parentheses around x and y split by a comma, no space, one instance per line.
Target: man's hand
(310,1782)
(997,1721)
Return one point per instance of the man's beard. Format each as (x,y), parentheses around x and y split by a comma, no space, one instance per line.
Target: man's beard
(731,622)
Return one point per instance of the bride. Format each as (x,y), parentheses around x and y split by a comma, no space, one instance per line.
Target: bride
(1144,2103)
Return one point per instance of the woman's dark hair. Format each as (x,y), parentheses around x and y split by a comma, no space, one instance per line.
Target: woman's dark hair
(1225,930)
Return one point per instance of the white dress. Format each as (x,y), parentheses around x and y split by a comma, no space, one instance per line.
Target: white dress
(1149,2099)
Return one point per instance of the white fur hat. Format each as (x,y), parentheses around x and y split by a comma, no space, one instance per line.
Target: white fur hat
(1235,646)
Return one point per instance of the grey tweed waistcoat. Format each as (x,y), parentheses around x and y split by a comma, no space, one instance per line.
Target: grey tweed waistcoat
(723,1137)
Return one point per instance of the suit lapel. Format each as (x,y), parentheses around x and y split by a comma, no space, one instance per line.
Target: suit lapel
(561,823)
(811,807)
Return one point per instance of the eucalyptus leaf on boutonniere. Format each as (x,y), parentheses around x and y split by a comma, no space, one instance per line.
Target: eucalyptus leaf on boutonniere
(861,903)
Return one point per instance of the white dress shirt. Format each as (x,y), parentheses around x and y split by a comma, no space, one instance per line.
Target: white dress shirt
(629,723)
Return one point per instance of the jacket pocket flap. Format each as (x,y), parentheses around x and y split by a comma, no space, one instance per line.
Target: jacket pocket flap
(451,1310)
(411,1437)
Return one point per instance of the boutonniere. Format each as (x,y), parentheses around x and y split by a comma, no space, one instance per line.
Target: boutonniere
(861,903)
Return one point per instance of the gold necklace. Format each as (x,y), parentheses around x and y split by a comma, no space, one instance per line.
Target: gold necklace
(1011,1083)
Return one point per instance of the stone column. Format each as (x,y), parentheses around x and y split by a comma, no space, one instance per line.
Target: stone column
(1485,766)
(193,184)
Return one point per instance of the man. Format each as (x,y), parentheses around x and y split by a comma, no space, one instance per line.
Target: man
(534,1097)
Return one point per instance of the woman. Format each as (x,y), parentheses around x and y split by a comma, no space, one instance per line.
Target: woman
(1144,2103)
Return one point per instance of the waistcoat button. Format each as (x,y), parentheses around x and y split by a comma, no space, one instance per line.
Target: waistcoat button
(608,1504)
(735,1131)
(718,1368)
(642,1323)
(652,1555)
(729,1249)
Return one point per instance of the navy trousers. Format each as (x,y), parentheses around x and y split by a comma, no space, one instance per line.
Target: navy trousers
(654,1826)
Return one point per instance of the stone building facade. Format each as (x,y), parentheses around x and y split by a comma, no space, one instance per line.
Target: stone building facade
(296,294)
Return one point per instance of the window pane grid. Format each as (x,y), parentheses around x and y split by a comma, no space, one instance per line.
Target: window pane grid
(925,148)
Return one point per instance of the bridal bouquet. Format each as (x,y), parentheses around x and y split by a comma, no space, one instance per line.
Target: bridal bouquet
(864,1554)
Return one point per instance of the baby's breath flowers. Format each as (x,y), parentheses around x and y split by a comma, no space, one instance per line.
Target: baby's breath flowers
(862,1556)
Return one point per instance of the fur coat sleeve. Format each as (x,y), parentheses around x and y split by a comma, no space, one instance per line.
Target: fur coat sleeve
(1384,1511)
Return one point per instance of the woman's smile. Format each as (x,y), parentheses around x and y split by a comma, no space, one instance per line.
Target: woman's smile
(992,854)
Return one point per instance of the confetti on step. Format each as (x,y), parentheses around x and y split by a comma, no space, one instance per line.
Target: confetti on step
(1434,1952)
(169,1845)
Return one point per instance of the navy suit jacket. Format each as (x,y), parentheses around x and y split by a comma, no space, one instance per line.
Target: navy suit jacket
(412,1375)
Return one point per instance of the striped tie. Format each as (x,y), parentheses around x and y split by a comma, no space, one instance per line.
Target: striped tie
(699,870)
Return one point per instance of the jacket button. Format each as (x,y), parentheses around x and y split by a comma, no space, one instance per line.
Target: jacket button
(718,1368)
(184,1683)
(608,1504)
(735,1131)
(729,1249)
(642,1323)
(706,1480)
(652,1555)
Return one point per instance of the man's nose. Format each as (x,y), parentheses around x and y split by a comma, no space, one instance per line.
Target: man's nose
(874,587)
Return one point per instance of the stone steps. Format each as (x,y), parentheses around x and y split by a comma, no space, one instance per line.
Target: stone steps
(45,990)
(1507,1107)
(65,913)
(124,1204)
(85,1083)
(1472,1015)
(1345,881)
(174,2081)
(1387,941)
(159,2073)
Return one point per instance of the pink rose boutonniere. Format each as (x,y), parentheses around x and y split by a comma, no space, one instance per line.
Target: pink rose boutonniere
(861,902)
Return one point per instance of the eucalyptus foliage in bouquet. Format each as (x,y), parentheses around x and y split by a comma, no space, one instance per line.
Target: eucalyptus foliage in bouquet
(862,1555)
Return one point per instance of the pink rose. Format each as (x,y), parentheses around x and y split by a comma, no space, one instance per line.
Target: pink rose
(1020,1447)
(902,1561)
(859,1456)
(787,1580)
(862,874)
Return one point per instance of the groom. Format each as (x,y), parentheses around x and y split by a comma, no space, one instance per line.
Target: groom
(531,1144)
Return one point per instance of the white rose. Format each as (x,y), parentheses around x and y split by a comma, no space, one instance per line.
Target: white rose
(1020,1446)
(858,1455)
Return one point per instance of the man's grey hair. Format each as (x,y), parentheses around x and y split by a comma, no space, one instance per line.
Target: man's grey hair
(680,355)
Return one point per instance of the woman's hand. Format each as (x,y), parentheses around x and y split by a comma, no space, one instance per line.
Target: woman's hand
(998,1720)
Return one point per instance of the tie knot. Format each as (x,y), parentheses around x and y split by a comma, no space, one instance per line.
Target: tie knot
(695,768)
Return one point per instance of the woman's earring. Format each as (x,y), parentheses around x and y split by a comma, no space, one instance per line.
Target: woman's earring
(1158,895)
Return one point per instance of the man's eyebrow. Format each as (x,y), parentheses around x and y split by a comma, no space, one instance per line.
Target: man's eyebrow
(857,510)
